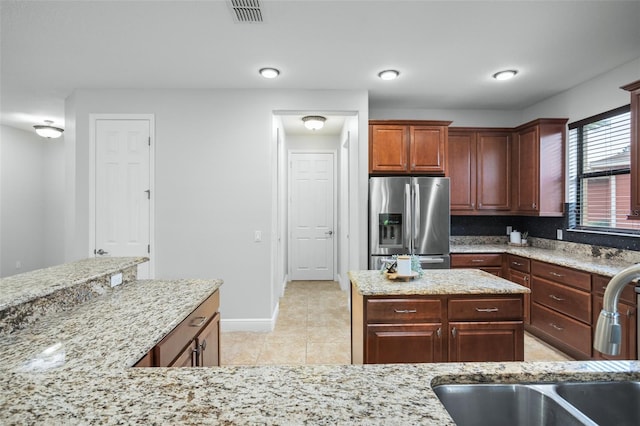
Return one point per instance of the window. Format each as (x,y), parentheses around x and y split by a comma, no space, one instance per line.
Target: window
(599,173)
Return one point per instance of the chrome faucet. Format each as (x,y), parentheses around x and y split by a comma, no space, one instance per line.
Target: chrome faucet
(608,333)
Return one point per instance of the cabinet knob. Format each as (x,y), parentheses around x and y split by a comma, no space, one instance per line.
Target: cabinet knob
(454,332)
(439,332)
(203,345)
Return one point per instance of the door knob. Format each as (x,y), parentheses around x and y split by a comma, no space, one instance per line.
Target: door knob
(101,252)
(329,233)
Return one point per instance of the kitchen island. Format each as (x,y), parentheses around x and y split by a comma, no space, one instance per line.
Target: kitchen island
(442,315)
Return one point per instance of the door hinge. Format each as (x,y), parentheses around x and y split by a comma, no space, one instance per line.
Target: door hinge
(149,140)
(148,191)
(148,248)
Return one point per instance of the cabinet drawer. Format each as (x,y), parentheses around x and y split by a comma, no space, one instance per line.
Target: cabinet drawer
(403,310)
(485,309)
(518,263)
(560,274)
(478,260)
(176,341)
(567,300)
(600,284)
(565,329)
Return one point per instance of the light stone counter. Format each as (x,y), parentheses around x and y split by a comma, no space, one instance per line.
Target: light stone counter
(594,259)
(24,298)
(112,331)
(269,395)
(434,282)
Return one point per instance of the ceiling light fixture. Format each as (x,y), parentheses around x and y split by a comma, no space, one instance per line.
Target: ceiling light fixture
(389,74)
(47,130)
(314,122)
(505,75)
(269,72)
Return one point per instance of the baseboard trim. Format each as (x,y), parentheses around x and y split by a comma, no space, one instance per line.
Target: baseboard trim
(261,325)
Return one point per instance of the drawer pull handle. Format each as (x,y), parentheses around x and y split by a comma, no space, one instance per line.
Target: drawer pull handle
(517,263)
(405,311)
(454,332)
(559,299)
(477,260)
(555,274)
(198,324)
(487,309)
(556,326)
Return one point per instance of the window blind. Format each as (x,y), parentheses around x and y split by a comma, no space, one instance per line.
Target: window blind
(599,172)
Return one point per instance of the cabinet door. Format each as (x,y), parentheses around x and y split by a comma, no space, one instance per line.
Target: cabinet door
(493,171)
(523,279)
(634,91)
(486,341)
(388,148)
(462,170)
(628,348)
(527,170)
(208,343)
(187,358)
(410,343)
(428,149)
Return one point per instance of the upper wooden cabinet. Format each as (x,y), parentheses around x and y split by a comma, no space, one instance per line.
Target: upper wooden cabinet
(408,147)
(479,170)
(538,167)
(634,89)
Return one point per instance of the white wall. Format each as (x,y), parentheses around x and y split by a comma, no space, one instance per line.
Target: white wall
(214,181)
(592,97)
(31,216)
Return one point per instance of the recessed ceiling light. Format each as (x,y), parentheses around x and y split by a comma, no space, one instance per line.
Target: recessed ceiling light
(505,75)
(269,72)
(389,74)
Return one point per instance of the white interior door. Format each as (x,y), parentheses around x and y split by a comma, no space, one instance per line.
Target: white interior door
(311,250)
(122,210)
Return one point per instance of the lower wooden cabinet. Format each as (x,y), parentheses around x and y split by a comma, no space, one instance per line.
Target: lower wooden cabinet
(488,262)
(393,343)
(486,341)
(195,342)
(438,328)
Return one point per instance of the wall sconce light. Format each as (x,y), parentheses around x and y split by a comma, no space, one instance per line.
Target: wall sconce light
(47,130)
(314,122)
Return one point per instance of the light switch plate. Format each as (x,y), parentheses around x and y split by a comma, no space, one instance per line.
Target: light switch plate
(116,279)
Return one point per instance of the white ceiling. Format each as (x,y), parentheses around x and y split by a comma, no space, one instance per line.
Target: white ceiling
(446,51)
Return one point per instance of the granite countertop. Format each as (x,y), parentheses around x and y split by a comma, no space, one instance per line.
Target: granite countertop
(112,331)
(269,395)
(21,288)
(434,282)
(607,262)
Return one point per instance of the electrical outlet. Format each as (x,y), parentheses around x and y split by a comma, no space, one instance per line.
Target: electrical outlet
(559,234)
(116,279)
(509,229)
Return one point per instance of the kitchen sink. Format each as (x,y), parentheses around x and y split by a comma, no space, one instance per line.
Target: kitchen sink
(502,404)
(606,403)
(564,403)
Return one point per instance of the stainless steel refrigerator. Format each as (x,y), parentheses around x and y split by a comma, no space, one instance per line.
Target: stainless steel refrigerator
(409,215)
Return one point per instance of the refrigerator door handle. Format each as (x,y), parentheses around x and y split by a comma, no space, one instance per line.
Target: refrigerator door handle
(416,213)
(407,216)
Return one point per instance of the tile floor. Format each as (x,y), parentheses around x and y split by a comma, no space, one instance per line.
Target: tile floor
(313,327)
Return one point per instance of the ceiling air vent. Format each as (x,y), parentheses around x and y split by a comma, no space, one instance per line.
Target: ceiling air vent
(247,11)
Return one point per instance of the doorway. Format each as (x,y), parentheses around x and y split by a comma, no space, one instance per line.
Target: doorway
(122,152)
